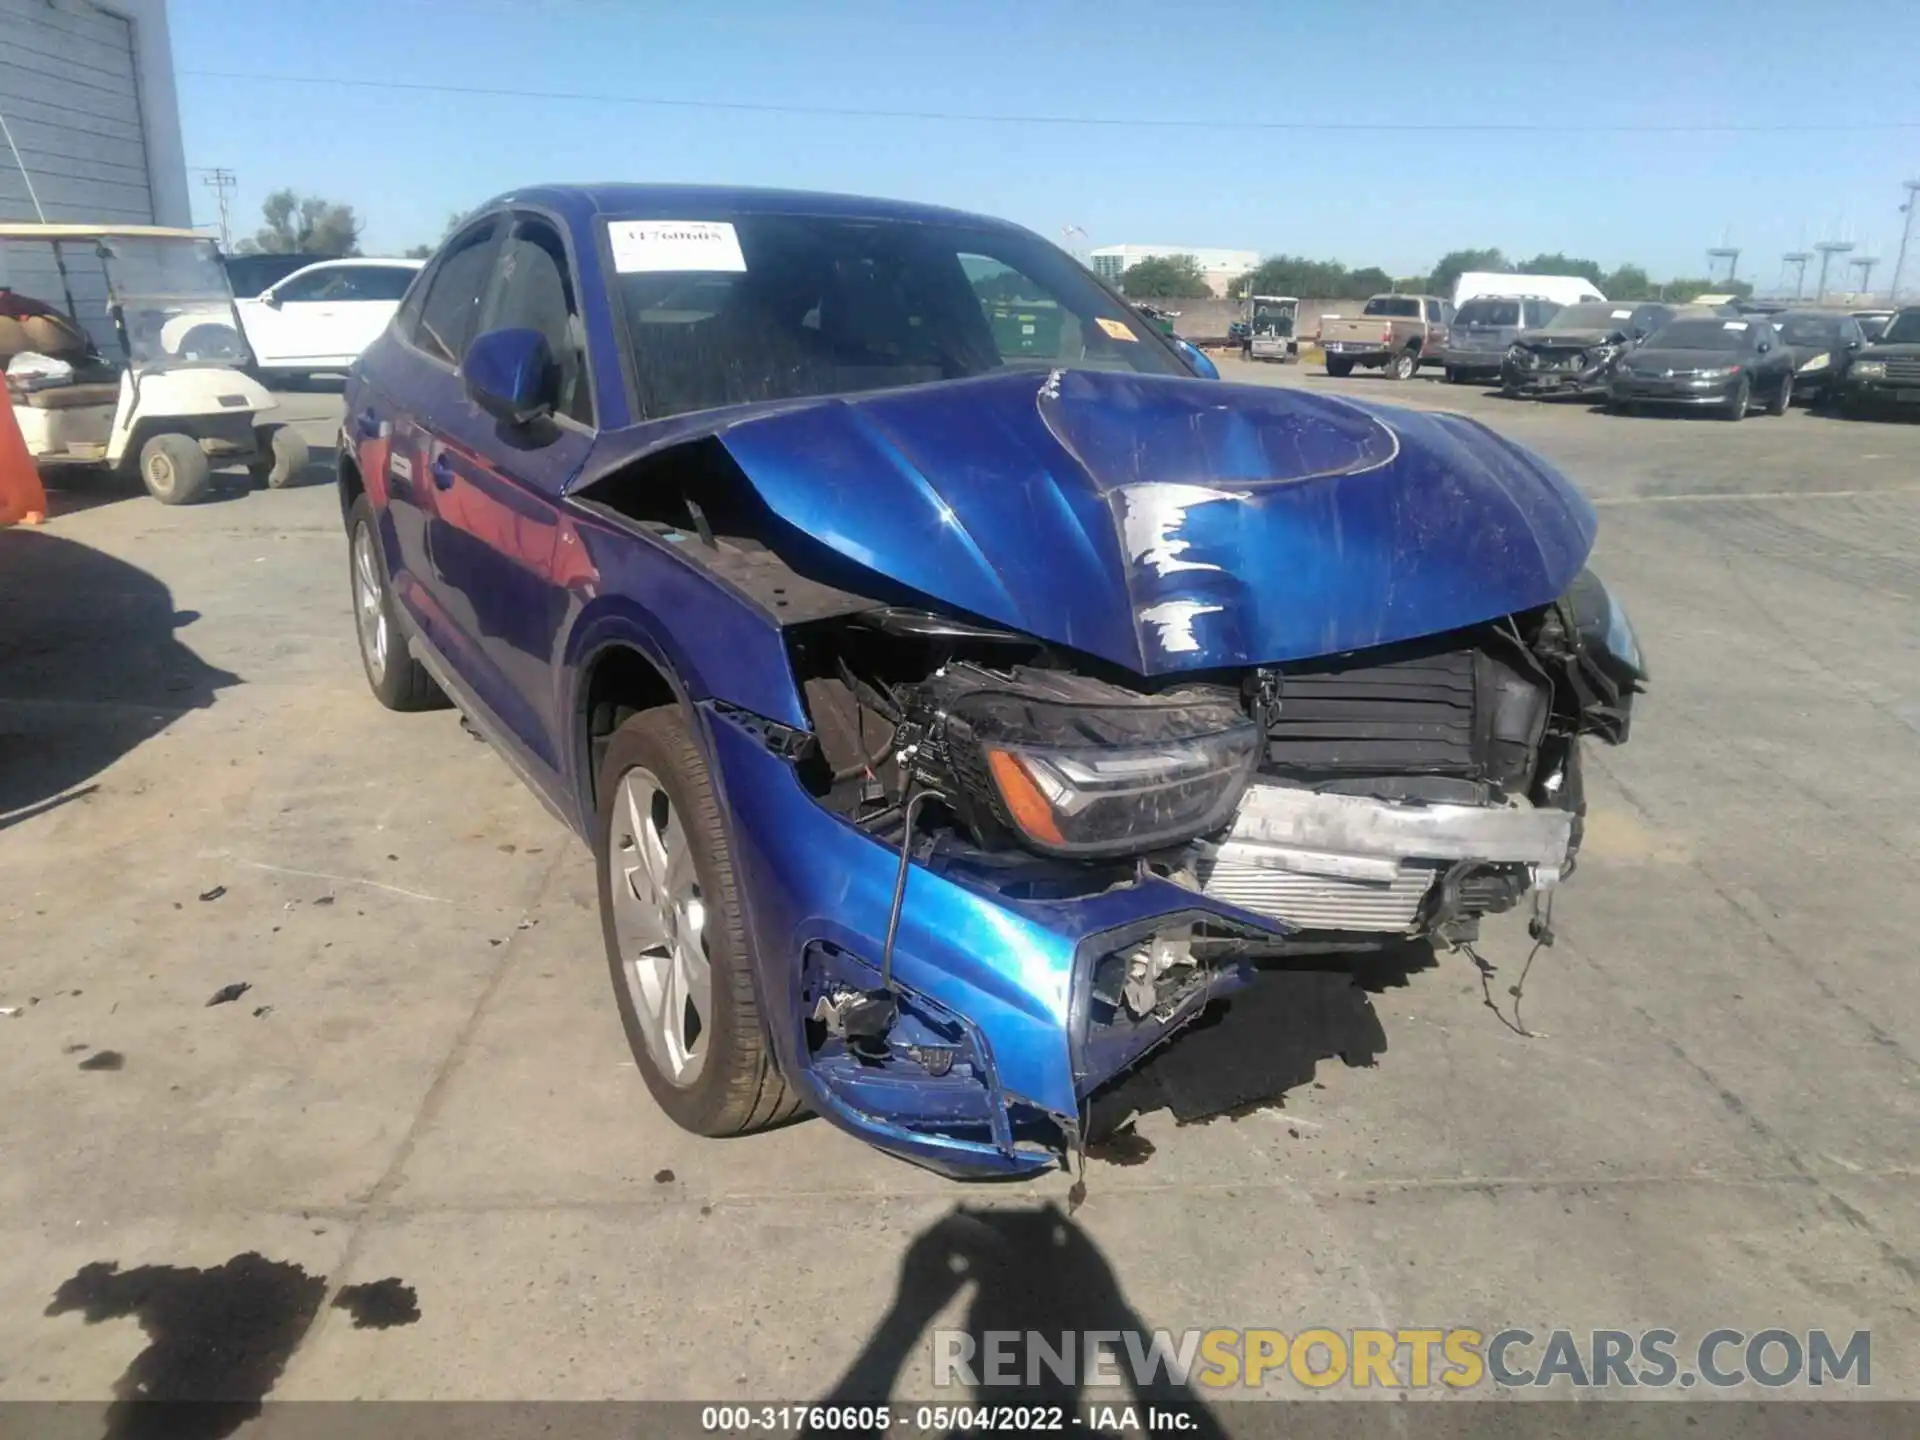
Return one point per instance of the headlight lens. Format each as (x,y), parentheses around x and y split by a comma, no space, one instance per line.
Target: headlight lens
(1604,627)
(1110,780)
(1717,372)
(1870,369)
(1514,352)
(1818,362)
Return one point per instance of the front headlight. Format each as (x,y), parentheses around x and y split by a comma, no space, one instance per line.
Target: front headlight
(1870,370)
(1600,354)
(1516,352)
(1605,629)
(1716,372)
(1817,363)
(1096,780)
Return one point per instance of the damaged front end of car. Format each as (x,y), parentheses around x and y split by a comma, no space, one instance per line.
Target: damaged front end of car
(1019,826)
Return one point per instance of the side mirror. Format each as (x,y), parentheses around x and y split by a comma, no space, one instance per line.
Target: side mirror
(1201,365)
(271,298)
(512,376)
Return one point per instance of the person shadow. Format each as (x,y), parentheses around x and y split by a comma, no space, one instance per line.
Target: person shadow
(90,668)
(1031,1269)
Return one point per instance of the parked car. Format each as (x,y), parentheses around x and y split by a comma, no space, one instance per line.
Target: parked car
(318,319)
(951,724)
(249,275)
(1395,333)
(1707,362)
(1823,343)
(1506,285)
(1483,329)
(1573,353)
(1872,322)
(1885,376)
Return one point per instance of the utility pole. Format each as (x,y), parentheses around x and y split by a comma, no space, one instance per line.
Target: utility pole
(1728,253)
(1912,187)
(1798,260)
(1864,264)
(222,181)
(1828,249)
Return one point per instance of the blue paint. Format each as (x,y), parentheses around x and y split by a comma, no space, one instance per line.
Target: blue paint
(1158,523)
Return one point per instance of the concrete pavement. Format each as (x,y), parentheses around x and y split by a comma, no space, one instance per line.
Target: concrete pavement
(423,1102)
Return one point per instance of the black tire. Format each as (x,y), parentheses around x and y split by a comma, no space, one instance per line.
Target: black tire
(175,470)
(1339,366)
(398,681)
(1782,401)
(1740,401)
(1451,375)
(284,457)
(1403,365)
(1622,407)
(739,1088)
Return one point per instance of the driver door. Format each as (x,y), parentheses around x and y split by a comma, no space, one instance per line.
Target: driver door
(295,323)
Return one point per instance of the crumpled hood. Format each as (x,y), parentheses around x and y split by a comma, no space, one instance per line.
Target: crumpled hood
(1169,524)
(1565,339)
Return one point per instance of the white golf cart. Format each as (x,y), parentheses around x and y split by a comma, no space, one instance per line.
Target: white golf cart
(128,404)
(1271,323)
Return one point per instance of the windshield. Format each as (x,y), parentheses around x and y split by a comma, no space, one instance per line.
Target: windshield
(1808,329)
(1903,329)
(1704,335)
(773,307)
(173,298)
(1488,312)
(1398,307)
(1595,315)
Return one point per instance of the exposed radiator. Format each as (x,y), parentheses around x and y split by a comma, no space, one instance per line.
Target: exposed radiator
(1402,717)
(1321,902)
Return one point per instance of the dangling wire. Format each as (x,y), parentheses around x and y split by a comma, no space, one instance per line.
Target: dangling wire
(7,130)
(1540,927)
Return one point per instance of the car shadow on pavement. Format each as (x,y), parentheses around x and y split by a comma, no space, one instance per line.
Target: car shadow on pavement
(90,668)
(1031,1269)
(1249,1050)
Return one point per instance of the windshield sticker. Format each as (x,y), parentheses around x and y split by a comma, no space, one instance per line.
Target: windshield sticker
(1621,315)
(1115,330)
(655,246)
(1733,325)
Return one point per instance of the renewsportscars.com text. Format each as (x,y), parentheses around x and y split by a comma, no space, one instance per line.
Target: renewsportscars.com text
(1452,1359)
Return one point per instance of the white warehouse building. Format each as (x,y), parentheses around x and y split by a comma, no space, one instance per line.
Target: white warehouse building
(1221,267)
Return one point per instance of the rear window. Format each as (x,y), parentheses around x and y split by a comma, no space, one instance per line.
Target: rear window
(1707,335)
(1394,307)
(1488,312)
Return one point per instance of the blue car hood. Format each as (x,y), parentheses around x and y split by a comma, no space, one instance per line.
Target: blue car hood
(1164,524)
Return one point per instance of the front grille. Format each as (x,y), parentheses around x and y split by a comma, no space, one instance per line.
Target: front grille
(1408,716)
(1906,372)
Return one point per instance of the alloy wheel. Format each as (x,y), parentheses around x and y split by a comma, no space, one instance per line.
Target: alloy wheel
(369,604)
(660,921)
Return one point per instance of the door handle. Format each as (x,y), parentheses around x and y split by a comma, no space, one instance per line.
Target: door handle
(368,424)
(442,471)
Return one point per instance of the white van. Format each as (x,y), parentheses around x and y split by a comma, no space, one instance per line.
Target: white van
(1561,289)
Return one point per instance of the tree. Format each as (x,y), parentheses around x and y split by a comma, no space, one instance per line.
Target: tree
(1456,263)
(1681,291)
(1629,282)
(1558,264)
(1363,283)
(1165,277)
(304,224)
(423,252)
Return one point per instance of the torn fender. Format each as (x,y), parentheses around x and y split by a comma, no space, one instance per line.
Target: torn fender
(1162,524)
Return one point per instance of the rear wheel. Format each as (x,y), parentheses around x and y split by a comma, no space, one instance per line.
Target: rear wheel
(675,935)
(1452,375)
(1339,366)
(1740,401)
(1785,398)
(398,681)
(1403,365)
(175,470)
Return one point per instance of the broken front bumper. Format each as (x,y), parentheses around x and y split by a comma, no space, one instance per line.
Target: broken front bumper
(1008,1019)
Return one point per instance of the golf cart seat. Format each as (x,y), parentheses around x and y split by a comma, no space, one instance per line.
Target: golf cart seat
(69,397)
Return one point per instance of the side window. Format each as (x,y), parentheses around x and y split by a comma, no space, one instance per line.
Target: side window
(535,291)
(1433,312)
(451,308)
(311,286)
(381,282)
(1024,319)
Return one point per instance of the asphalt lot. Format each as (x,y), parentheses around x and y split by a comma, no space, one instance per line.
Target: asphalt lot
(414,1161)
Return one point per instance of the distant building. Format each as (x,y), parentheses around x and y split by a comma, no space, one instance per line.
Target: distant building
(1221,267)
(86,87)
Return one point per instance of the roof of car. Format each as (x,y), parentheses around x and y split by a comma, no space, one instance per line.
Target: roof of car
(689,202)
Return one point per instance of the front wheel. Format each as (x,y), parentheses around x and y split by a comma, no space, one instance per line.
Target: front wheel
(1740,401)
(1782,400)
(175,469)
(1339,366)
(283,457)
(398,681)
(675,935)
(1403,365)
(1451,375)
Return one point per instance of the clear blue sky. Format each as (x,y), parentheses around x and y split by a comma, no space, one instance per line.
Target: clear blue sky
(1397,198)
